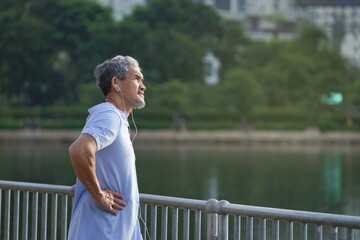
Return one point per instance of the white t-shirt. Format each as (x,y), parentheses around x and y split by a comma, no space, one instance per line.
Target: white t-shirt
(115,170)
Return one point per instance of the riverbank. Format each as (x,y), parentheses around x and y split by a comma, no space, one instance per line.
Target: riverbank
(310,136)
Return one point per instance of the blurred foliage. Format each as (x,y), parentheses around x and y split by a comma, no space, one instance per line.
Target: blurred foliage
(49,49)
(241,91)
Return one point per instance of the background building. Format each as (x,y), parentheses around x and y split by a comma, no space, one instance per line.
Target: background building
(267,19)
(121,7)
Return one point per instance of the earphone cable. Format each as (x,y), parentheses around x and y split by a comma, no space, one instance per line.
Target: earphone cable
(132,116)
(146,229)
(136,130)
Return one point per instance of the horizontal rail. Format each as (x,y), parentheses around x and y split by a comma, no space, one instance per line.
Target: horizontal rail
(292,215)
(224,208)
(173,201)
(37,187)
(211,205)
(217,220)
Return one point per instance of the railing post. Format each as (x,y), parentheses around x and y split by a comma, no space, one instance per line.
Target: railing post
(249,228)
(143,214)
(35,208)
(303,231)
(44,214)
(0,209)
(16,215)
(186,224)
(25,223)
(164,222)
(212,220)
(174,227)
(349,234)
(237,227)
(7,214)
(289,230)
(64,217)
(318,232)
(197,231)
(223,221)
(275,229)
(54,206)
(153,221)
(262,229)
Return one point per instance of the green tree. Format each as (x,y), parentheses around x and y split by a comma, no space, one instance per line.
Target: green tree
(50,47)
(25,50)
(297,72)
(81,31)
(173,95)
(241,90)
(170,38)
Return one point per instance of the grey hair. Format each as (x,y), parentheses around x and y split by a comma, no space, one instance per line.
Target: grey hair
(114,67)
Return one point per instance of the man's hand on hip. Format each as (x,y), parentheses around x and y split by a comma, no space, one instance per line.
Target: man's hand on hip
(110,200)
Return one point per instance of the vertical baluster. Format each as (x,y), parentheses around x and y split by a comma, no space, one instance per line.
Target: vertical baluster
(54,205)
(349,234)
(7,214)
(25,216)
(334,233)
(303,231)
(212,225)
(164,222)
(44,210)
(197,230)
(153,221)
(35,208)
(237,227)
(223,227)
(0,208)
(289,230)
(318,232)
(143,220)
(64,217)
(262,229)
(174,230)
(249,228)
(186,224)
(16,215)
(275,230)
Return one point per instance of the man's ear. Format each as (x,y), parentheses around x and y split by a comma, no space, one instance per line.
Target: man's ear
(114,82)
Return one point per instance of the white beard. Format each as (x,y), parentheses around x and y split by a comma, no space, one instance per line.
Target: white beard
(139,103)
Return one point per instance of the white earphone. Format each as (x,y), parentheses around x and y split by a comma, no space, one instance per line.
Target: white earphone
(132,115)
(118,88)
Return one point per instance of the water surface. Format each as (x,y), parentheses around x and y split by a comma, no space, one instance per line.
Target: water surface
(311,178)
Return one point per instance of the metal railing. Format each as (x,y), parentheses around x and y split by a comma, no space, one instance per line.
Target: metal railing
(25,213)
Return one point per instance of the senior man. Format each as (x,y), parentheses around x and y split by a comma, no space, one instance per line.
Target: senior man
(107,197)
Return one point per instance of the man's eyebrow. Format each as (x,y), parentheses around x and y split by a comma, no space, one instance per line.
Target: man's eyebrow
(137,76)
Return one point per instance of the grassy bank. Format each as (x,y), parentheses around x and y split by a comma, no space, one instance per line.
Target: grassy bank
(309,136)
(73,117)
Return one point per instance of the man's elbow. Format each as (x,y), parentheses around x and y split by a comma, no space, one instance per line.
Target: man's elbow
(73,152)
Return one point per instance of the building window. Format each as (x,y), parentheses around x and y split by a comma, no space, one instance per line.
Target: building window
(241,5)
(223,4)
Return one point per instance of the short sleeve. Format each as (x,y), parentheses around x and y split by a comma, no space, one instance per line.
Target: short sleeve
(103,127)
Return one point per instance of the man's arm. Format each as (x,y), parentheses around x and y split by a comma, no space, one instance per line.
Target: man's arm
(82,155)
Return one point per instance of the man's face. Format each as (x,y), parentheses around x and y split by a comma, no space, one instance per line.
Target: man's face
(133,88)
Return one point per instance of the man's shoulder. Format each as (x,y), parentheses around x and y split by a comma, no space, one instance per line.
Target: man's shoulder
(104,109)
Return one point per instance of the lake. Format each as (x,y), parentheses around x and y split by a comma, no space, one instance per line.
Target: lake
(311,178)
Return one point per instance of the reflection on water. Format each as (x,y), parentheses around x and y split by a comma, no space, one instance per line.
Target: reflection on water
(312,178)
(212,186)
(332,177)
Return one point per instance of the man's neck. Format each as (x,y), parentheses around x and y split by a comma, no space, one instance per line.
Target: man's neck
(116,100)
